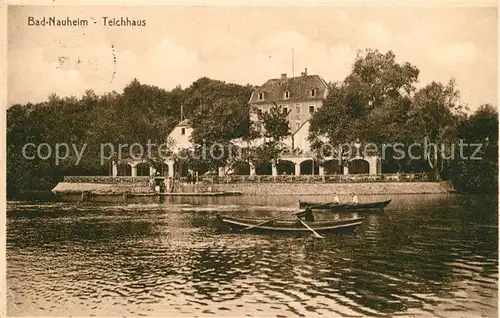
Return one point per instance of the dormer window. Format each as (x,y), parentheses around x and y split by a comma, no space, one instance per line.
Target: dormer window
(312,92)
(286,94)
(261,96)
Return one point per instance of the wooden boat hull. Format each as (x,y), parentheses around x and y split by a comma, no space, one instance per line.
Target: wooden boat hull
(291,226)
(345,207)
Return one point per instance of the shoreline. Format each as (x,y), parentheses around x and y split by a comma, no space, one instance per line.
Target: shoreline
(360,188)
(99,192)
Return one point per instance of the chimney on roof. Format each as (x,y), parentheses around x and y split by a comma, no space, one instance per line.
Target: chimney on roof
(304,73)
(283,76)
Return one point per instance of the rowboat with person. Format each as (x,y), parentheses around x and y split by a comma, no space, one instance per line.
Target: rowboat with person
(335,206)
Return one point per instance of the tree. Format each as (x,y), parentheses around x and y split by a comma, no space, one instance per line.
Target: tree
(273,127)
(370,105)
(376,83)
(275,123)
(265,153)
(206,91)
(380,77)
(434,116)
(220,121)
(140,114)
(218,113)
(477,175)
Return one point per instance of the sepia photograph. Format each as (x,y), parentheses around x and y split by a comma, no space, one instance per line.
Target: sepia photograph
(251,159)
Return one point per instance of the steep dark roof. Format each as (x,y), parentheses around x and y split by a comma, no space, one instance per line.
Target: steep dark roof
(299,89)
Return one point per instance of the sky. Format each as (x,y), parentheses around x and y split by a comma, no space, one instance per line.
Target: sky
(245,44)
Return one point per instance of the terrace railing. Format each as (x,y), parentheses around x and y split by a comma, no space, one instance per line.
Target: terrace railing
(107,179)
(336,178)
(332,178)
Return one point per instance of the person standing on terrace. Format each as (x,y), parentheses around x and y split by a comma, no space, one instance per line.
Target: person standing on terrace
(355,198)
(336,199)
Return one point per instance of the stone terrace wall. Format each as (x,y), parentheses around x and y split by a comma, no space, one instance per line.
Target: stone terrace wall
(108,180)
(141,184)
(337,188)
(101,188)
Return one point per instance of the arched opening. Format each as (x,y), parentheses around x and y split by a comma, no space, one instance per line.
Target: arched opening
(359,166)
(142,169)
(264,169)
(180,169)
(333,167)
(241,168)
(285,167)
(309,167)
(161,169)
(124,169)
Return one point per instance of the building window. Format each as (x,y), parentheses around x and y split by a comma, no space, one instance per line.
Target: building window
(261,96)
(297,124)
(285,110)
(287,94)
(313,92)
(311,109)
(183,131)
(298,108)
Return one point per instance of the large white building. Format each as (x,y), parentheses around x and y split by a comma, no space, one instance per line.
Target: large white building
(301,96)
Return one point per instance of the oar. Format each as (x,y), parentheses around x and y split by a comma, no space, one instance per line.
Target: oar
(305,224)
(270,220)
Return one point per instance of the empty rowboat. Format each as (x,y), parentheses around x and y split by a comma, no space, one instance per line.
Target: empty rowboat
(290,226)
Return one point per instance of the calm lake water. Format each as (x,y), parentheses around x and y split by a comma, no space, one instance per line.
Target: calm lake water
(426,255)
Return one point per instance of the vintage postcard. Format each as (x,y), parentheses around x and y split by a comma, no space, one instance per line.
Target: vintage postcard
(250,160)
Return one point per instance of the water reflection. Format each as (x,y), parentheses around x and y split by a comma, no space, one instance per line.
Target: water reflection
(433,258)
